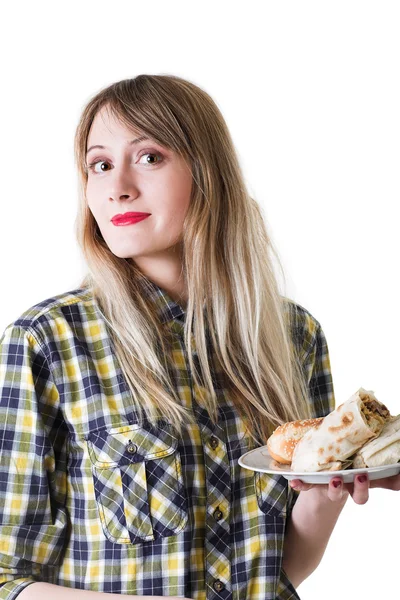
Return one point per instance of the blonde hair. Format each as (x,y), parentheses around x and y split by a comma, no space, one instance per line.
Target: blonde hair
(227,269)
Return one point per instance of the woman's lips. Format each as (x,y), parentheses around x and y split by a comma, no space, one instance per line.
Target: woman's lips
(128,220)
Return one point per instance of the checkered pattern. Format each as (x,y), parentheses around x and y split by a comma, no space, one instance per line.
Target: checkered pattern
(91,498)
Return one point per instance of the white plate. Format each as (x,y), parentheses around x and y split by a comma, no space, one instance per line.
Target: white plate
(261,460)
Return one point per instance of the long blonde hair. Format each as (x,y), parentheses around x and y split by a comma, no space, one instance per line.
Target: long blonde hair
(227,268)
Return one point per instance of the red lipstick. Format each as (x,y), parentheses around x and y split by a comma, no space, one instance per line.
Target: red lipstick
(129,218)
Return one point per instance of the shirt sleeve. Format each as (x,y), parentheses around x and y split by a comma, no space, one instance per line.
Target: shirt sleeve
(322,397)
(320,385)
(285,589)
(320,382)
(33,437)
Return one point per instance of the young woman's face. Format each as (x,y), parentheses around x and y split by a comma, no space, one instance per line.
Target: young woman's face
(135,177)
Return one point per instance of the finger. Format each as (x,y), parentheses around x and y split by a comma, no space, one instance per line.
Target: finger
(389,483)
(335,489)
(361,489)
(300,486)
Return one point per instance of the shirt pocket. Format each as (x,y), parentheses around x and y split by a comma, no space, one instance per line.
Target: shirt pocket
(138,483)
(272,494)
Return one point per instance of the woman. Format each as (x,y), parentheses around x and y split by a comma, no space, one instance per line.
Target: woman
(126,402)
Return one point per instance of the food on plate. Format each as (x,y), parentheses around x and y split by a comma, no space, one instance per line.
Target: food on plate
(334,442)
(341,433)
(284,439)
(383,450)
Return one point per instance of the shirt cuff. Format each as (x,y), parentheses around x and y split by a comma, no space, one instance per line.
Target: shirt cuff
(285,589)
(11,589)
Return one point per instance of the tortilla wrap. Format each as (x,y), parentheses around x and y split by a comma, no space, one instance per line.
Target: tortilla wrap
(341,433)
(383,450)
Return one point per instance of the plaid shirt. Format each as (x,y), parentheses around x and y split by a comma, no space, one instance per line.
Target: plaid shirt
(91,500)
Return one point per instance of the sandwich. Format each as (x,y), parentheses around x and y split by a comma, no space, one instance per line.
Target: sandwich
(383,450)
(344,431)
(331,443)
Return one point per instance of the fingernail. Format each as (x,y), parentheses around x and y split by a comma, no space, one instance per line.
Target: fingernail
(362,478)
(337,483)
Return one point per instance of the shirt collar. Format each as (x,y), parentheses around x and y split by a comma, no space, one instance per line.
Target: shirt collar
(167,309)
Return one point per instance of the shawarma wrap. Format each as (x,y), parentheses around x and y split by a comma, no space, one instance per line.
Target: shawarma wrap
(341,434)
(383,450)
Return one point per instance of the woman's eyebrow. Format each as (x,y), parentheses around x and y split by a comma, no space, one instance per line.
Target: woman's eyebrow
(136,141)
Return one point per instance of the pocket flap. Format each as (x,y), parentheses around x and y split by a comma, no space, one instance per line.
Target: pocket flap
(272,493)
(130,444)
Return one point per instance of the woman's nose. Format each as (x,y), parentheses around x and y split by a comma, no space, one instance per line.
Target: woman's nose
(123,184)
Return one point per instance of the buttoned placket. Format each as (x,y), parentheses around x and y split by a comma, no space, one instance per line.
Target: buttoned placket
(217,554)
(217,468)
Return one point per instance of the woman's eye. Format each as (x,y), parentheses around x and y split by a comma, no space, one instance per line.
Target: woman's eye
(154,160)
(153,154)
(92,165)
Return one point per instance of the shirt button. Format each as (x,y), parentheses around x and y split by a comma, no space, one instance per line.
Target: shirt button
(213,442)
(218,585)
(131,448)
(217,514)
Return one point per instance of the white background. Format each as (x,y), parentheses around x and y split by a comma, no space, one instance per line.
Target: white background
(310,92)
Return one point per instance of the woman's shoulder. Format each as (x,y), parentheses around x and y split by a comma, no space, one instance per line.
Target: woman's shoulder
(304,327)
(65,306)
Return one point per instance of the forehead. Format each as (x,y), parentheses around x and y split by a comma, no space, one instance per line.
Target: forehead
(107,127)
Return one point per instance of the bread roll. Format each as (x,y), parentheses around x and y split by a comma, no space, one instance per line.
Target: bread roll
(284,439)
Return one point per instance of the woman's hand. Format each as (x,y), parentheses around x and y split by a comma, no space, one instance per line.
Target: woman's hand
(337,491)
